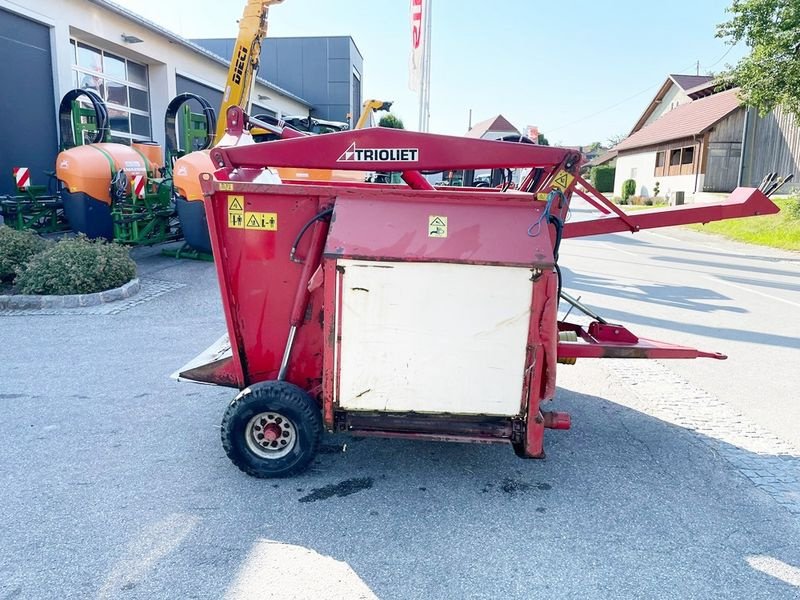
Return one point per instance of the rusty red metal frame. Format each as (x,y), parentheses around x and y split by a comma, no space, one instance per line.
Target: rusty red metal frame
(314,312)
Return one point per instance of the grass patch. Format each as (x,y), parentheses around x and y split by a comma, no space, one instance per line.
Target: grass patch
(777,231)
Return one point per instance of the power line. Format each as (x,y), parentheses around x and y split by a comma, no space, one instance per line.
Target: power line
(602,110)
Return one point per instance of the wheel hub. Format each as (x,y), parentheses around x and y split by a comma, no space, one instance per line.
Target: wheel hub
(270,435)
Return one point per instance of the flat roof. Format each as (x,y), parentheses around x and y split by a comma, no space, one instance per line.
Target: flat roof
(124,12)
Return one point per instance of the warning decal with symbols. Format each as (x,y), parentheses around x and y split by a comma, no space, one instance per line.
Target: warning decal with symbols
(561,181)
(236,212)
(264,221)
(437,226)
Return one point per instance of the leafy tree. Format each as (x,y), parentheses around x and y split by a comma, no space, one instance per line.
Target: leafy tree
(542,141)
(770,75)
(389,120)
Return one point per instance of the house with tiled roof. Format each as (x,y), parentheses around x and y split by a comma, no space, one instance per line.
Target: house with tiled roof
(693,137)
(492,129)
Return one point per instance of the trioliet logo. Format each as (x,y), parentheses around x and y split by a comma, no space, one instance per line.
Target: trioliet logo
(353,154)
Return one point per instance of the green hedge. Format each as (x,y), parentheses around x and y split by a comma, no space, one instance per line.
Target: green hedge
(602,177)
(16,248)
(76,266)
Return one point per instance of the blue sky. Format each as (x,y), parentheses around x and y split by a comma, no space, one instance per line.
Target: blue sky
(581,71)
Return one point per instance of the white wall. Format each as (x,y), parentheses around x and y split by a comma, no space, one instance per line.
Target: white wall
(672,99)
(640,167)
(103,28)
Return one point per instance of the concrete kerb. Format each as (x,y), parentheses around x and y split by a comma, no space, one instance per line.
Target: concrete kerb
(70,301)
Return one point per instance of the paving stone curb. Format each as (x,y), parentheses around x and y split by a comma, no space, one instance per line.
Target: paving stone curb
(20,302)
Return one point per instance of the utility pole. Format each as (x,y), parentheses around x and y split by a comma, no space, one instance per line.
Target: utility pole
(698,68)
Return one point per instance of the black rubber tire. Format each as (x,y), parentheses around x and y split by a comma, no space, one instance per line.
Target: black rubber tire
(291,402)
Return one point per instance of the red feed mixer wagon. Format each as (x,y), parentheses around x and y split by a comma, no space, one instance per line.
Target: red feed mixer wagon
(404,311)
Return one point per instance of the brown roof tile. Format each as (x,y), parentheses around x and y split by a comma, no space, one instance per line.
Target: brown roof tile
(498,123)
(686,120)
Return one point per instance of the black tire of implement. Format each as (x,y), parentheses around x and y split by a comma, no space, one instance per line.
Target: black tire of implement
(281,397)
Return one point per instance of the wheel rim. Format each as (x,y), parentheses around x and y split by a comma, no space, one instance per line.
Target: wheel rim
(270,435)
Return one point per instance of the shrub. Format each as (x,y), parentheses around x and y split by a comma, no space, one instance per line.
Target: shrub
(76,266)
(391,121)
(16,248)
(602,177)
(628,188)
(648,202)
(793,208)
(656,188)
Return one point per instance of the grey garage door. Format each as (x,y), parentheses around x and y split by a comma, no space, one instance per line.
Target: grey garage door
(184,85)
(27,102)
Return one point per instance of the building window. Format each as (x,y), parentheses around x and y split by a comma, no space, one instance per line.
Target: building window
(681,162)
(634,172)
(659,170)
(121,83)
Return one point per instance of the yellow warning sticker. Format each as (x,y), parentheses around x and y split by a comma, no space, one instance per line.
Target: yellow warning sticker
(437,226)
(542,196)
(265,221)
(235,203)
(236,220)
(561,181)
(236,212)
(226,187)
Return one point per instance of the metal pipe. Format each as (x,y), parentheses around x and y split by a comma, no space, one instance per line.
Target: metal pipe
(740,177)
(583,308)
(286,353)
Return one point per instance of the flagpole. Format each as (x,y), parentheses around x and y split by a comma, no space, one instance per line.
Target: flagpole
(425,88)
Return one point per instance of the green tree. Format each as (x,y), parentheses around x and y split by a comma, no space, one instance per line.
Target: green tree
(770,75)
(542,141)
(389,120)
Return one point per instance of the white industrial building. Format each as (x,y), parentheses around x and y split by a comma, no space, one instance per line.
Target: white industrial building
(52,46)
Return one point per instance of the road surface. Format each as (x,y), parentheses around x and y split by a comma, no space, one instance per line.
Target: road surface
(114,483)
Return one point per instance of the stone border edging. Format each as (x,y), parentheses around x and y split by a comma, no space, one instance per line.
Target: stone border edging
(21,301)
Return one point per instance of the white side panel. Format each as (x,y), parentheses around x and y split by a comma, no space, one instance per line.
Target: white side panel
(433,337)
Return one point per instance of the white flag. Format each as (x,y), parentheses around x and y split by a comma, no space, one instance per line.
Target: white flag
(418,42)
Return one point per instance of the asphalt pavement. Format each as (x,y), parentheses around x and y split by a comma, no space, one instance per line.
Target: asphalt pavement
(113,482)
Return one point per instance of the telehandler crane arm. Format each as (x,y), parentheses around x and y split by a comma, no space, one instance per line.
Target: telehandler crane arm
(244,61)
(369,107)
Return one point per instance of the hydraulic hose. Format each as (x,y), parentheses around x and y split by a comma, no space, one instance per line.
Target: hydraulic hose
(170,118)
(65,117)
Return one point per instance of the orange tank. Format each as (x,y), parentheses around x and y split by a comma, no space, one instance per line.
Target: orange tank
(88,169)
(153,153)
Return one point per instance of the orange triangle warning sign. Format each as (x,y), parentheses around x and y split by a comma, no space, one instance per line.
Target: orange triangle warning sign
(234,204)
(253,222)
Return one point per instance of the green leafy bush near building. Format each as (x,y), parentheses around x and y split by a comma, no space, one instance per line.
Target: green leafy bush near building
(16,248)
(628,188)
(76,266)
(602,177)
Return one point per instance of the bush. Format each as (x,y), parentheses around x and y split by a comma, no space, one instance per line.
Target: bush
(391,121)
(16,248)
(648,202)
(602,177)
(628,188)
(793,208)
(656,188)
(76,266)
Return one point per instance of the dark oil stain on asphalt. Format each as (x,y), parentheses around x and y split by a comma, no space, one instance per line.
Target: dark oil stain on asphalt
(341,489)
(331,449)
(513,486)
